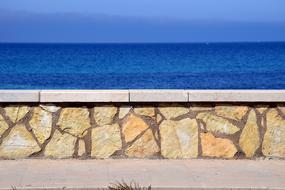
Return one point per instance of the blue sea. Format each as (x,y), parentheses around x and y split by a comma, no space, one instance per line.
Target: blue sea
(143,66)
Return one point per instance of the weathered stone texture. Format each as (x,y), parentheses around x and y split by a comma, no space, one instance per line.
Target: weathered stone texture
(74,121)
(104,115)
(173,111)
(60,146)
(217,124)
(232,112)
(179,139)
(144,147)
(105,141)
(217,147)
(274,138)
(250,140)
(132,127)
(3,125)
(18,144)
(146,111)
(172,131)
(123,111)
(41,124)
(16,113)
(50,108)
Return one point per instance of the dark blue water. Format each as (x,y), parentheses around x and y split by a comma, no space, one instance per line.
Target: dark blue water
(142,66)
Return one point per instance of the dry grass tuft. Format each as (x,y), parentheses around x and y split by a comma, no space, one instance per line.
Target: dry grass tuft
(124,186)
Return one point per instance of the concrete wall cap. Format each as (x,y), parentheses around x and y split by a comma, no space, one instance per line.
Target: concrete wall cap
(84,96)
(142,95)
(19,95)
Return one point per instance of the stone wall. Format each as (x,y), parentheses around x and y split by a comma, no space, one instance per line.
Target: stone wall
(134,130)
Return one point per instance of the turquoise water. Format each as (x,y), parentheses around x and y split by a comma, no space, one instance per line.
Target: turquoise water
(143,66)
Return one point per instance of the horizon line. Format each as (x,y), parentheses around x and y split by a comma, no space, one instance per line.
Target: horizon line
(194,42)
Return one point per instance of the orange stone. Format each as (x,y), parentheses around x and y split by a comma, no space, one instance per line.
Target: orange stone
(144,147)
(217,147)
(132,127)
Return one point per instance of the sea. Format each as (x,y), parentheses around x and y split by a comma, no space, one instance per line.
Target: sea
(142,66)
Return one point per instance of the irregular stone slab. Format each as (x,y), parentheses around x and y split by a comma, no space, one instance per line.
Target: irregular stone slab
(173,111)
(105,141)
(41,124)
(249,140)
(230,111)
(18,144)
(274,138)
(217,147)
(16,113)
(74,121)
(179,139)
(146,111)
(217,124)
(124,111)
(3,126)
(132,127)
(60,146)
(104,115)
(50,108)
(144,147)
(81,148)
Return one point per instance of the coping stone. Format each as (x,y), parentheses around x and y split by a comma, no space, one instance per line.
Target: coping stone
(158,96)
(236,95)
(142,96)
(19,95)
(84,96)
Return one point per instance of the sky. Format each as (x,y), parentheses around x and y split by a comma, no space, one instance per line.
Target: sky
(119,21)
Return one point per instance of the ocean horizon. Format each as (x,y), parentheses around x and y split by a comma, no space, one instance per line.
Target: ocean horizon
(207,65)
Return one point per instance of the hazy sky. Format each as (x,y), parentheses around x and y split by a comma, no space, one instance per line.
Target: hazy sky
(141,20)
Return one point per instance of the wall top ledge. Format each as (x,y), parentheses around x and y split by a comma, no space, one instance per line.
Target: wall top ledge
(19,95)
(142,96)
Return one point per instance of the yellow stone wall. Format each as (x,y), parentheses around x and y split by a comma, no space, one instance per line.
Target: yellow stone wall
(170,131)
